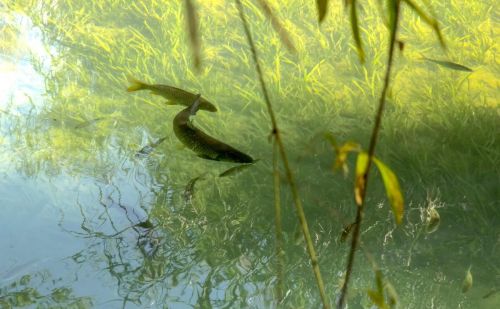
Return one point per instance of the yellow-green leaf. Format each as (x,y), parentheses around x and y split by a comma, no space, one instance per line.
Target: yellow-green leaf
(467,283)
(429,20)
(379,281)
(329,137)
(341,155)
(192,22)
(377,298)
(278,27)
(393,190)
(322,7)
(355,31)
(392,295)
(359,183)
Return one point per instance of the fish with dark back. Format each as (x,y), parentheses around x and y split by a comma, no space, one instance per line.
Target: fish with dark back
(202,144)
(175,96)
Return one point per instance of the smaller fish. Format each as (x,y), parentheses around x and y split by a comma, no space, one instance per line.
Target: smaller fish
(449,65)
(175,96)
(189,189)
(236,169)
(467,283)
(89,123)
(346,231)
(146,150)
(145,225)
(433,219)
(491,293)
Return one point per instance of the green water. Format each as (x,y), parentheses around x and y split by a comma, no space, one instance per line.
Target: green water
(73,189)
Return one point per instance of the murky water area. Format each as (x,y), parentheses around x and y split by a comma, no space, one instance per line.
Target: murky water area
(103,207)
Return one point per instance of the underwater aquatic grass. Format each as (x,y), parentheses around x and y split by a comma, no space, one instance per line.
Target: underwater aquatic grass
(431,123)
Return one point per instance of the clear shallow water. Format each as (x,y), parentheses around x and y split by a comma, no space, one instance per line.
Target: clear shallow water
(73,191)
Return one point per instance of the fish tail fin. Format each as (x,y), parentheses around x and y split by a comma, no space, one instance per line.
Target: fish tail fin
(196,105)
(136,84)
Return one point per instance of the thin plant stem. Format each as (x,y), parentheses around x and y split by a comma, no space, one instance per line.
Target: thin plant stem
(277,217)
(288,172)
(371,152)
(192,22)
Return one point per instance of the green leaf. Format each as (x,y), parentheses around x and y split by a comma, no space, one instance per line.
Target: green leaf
(393,190)
(360,181)
(427,19)
(467,283)
(192,22)
(341,155)
(329,137)
(376,298)
(391,295)
(341,152)
(355,31)
(322,7)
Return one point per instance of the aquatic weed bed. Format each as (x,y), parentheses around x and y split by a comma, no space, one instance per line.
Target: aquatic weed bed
(215,247)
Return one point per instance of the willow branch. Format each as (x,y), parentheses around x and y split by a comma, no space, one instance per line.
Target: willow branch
(280,264)
(371,152)
(293,187)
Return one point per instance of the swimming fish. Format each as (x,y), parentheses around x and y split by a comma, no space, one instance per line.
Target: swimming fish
(346,231)
(175,96)
(202,144)
(189,189)
(89,123)
(146,150)
(491,293)
(236,169)
(449,65)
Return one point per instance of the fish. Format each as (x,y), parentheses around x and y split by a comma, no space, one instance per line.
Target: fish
(202,144)
(491,293)
(145,225)
(146,150)
(467,283)
(89,122)
(346,231)
(237,169)
(175,96)
(189,189)
(449,64)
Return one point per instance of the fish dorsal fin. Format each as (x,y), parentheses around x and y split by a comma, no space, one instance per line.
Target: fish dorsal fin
(196,105)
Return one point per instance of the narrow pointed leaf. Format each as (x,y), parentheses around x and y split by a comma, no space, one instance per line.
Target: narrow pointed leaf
(192,22)
(359,183)
(376,298)
(355,31)
(322,7)
(341,155)
(429,20)
(392,295)
(278,27)
(393,190)
(333,141)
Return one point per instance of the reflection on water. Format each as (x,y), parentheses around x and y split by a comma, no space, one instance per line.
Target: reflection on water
(103,208)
